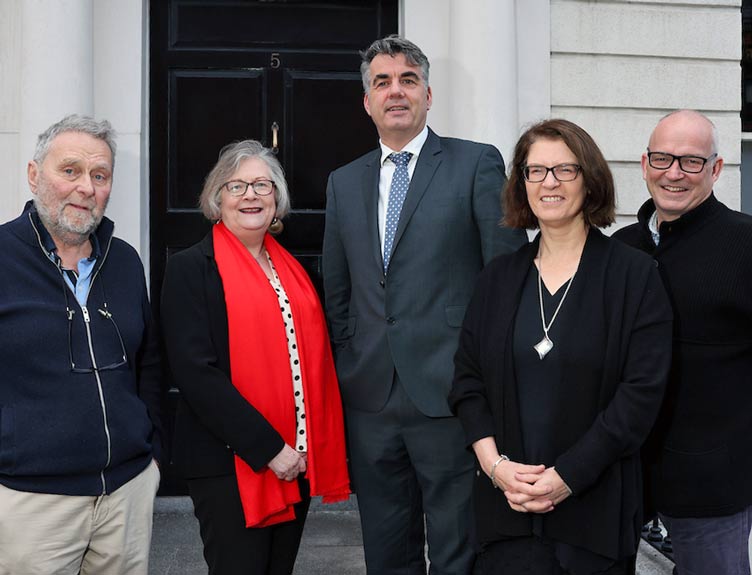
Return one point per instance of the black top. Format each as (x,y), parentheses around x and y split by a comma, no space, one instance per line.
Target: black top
(537,379)
(701,450)
(540,384)
(603,415)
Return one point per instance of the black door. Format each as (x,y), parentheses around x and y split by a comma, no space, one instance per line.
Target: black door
(283,72)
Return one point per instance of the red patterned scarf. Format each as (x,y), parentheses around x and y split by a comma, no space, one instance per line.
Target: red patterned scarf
(260,366)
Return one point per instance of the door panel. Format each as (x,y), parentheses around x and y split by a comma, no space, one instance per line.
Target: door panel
(291,24)
(209,110)
(327,128)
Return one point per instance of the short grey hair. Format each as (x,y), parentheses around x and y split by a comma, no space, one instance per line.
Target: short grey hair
(230,158)
(101,130)
(391,46)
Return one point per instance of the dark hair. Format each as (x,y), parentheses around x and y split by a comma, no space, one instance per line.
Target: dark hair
(391,46)
(599,206)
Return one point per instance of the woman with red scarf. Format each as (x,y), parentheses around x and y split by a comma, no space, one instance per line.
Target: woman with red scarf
(259,426)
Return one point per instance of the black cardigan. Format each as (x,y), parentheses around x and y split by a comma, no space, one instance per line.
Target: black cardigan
(213,420)
(700,453)
(602,423)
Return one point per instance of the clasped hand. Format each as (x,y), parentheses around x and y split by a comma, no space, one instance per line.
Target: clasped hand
(288,464)
(530,488)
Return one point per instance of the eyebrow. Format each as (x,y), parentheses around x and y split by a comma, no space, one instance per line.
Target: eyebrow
(76,161)
(408,74)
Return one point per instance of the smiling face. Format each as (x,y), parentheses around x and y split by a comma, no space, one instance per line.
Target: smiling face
(72,186)
(555,203)
(248,216)
(397,100)
(676,192)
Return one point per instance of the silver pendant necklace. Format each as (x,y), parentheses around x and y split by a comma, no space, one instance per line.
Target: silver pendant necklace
(545,345)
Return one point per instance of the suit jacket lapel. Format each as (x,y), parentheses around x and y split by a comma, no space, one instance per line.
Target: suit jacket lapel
(370,187)
(428,162)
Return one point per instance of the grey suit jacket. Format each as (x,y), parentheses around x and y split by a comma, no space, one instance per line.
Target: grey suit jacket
(409,319)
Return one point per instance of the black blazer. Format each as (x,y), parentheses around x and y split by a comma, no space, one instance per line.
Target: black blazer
(606,414)
(213,421)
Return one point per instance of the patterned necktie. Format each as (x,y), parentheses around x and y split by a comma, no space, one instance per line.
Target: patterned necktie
(397,193)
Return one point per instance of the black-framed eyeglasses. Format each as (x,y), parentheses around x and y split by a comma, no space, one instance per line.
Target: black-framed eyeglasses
(689,164)
(118,362)
(238,188)
(562,172)
(93,362)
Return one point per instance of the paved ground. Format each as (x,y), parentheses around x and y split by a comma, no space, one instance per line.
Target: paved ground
(332,542)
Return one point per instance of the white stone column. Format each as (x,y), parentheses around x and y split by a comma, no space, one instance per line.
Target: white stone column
(426,23)
(119,97)
(533,25)
(56,66)
(483,95)
(476,49)
(10,75)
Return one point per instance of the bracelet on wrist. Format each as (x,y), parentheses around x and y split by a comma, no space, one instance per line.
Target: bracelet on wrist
(493,470)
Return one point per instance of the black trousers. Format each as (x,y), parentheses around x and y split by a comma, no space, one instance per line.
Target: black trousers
(230,548)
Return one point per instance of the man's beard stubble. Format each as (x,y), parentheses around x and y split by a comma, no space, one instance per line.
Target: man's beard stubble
(52,213)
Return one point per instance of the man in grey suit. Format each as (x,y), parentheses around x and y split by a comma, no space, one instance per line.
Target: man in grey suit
(408,228)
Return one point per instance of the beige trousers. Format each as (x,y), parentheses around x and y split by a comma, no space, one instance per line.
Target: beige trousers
(41,534)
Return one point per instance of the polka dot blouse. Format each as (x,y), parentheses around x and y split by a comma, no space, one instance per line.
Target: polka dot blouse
(301,442)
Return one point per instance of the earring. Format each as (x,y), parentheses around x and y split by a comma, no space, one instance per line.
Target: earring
(276,226)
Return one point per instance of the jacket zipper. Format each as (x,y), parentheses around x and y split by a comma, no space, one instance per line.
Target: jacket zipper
(87,321)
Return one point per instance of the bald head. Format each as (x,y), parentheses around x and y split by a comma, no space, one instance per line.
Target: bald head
(688,123)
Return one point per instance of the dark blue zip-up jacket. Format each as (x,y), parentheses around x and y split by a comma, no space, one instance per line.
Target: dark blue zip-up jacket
(76,416)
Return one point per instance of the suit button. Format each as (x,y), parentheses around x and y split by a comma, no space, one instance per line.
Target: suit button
(382,283)
(391,320)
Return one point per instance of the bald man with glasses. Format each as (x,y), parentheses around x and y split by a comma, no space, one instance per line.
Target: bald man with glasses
(699,456)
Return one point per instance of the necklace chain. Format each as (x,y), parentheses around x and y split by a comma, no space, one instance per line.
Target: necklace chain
(546,344)
(558,307)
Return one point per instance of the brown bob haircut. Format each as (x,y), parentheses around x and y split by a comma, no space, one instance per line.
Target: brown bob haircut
(600,198)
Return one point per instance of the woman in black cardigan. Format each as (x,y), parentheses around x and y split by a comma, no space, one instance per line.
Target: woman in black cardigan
(560,370)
